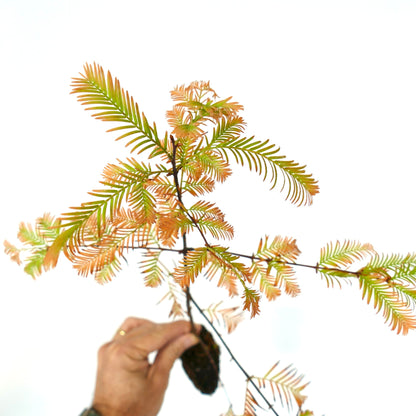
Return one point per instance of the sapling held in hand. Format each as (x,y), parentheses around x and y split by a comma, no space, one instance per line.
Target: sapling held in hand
(154,199)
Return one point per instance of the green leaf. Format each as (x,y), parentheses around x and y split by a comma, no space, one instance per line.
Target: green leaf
(34,263)
(207,162)
(30,236)
(343,255)
(208,218)
(230,270)
(108,271)
(394,267)
(333,276)
(191,266)
(198,187)
(283,249)
(126,182)
(377,289)
(60,242)
(228,128)
(267,282)
(151,268)
(116,105)
(406,294)
(284,278)
(263,158)
(37,241)
(335,260)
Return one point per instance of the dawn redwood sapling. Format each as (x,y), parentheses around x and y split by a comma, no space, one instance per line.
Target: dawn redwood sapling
(152,202)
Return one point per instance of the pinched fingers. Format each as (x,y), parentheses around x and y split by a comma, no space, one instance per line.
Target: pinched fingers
(152,336)
(145,336)
(167,355)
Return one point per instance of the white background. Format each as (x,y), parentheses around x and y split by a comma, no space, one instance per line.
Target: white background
(331,82)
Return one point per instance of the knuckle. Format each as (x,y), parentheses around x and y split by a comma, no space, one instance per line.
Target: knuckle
(118,351)
(132,321)
(102,351)
(111,350)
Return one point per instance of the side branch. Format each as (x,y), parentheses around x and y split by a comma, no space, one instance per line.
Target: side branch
(317,268)
(186,249)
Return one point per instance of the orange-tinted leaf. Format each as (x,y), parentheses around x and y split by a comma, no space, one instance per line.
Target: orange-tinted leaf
(250,404)
(191,266)
(251,301)
(13,252)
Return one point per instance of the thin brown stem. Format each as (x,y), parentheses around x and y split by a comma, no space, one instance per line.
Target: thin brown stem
(185,245)
(248,377)
(317,268)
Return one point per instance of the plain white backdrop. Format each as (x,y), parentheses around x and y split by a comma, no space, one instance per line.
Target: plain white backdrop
(331,82)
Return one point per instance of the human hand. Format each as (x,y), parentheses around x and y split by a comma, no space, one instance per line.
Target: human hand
(127,385)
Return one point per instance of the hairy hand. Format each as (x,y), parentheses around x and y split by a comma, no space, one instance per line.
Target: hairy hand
(127,384)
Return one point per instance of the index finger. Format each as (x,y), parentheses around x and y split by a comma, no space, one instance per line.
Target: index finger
(151,336)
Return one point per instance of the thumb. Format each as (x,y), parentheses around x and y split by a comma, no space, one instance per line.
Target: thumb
(166,356)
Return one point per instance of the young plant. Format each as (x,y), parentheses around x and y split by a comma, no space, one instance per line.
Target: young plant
(154,202)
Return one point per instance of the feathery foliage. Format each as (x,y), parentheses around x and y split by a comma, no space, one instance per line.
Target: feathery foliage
(343,255)
(389,281)
(286,383)
(36,242)
(230,317)
(250,403)
(103,94)
(276,255)
(336,259)
(177,297)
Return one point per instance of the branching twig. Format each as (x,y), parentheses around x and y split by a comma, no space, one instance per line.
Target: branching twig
(249,378)
(317,268)
(189,299)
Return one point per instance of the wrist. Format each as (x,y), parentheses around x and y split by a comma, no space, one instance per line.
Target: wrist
(90,412)
(103,409)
